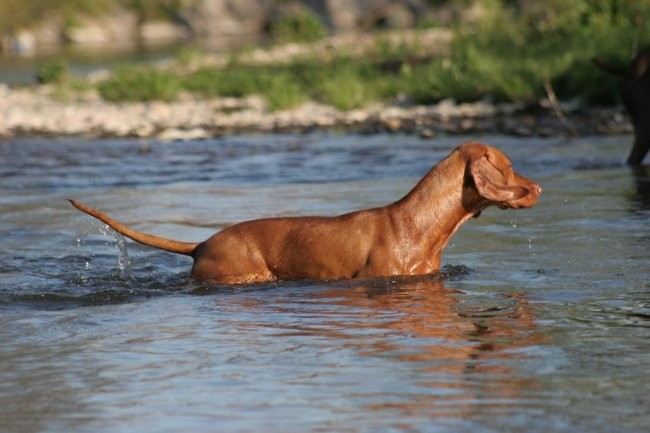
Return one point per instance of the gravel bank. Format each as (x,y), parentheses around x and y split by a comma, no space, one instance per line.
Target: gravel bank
(38,111)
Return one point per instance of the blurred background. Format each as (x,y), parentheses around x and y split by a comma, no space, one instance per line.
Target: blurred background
(462,49)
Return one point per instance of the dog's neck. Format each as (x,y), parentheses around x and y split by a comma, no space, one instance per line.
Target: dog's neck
(437,206)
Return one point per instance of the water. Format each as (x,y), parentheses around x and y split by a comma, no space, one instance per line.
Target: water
(539,322)
(18,70)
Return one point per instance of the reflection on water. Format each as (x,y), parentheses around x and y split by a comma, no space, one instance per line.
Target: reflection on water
(538,323)
(450,345)
(401,349)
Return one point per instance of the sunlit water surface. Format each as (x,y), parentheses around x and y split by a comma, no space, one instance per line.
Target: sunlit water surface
(540,321)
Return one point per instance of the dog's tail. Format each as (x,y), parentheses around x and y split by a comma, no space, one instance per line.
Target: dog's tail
(172,246)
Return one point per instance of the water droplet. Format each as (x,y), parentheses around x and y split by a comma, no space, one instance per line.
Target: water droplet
(530,246)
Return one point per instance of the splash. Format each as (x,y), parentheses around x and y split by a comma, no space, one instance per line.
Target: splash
(123,260)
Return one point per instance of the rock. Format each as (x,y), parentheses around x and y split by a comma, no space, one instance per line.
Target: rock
(343,15)
(175,134)
(225,24)
(35,111)
(398,16)
(119,27)
(393,124)
(161,31)
(23,43)
(427,133)
(360,15)
(49,34)
(215,18)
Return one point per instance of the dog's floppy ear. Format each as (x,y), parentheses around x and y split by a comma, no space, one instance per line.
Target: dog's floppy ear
(491,183)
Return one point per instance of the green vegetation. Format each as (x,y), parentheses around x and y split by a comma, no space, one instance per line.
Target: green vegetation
(54,71)
(509,54)
(344,82)
(132,83)
(302,26)
(278,86)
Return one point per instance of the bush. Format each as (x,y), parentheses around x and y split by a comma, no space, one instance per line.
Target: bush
(284,91)
(344,82)
(277,85)
(53,71)
(510,53)
(132,83)
(346,86)
(302,26)
(204,81)
(439,80)
(233,81)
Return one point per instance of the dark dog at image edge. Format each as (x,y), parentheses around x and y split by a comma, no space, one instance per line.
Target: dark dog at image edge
(404,238)
(635,91)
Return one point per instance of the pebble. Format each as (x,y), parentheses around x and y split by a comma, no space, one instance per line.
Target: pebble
(38,111)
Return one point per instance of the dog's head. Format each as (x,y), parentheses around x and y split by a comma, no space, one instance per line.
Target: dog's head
(491,181)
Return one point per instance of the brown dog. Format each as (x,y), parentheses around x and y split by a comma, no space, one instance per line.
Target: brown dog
(404,238)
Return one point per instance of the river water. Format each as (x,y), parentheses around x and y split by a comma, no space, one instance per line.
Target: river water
(539,322)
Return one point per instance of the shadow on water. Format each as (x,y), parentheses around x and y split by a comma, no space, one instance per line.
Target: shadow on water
(640,174)
(49,292)
(641,199)
(54,291)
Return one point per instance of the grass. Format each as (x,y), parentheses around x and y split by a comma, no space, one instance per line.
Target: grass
(302,26)
(507,56)
(284,92)
(343,83)
(134,83)
(53,71)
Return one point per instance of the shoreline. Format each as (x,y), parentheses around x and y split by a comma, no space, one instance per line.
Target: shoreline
(40,112)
